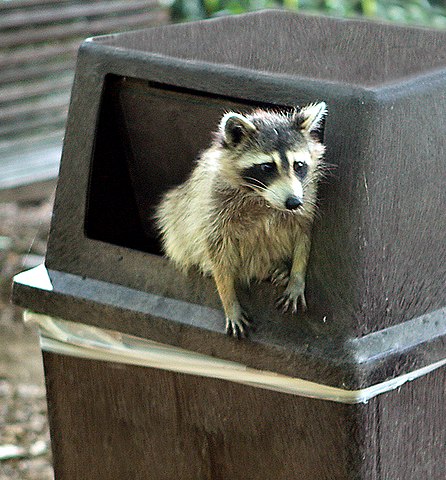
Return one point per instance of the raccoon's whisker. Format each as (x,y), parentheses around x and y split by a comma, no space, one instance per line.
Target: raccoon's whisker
(258,188)
(261,187)
(253,187)
(257,182)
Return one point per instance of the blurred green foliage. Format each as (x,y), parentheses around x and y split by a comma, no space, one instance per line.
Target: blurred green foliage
(419,12)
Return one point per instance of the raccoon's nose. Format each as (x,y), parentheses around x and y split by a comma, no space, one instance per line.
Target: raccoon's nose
(293,202)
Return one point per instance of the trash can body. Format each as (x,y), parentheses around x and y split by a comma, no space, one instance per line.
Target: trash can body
(153,424)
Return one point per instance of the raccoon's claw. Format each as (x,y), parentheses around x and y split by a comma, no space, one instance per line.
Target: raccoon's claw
(285,301)
(280,277)
(239,327)
(288,299)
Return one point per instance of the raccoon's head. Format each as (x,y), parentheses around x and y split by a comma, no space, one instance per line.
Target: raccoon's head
(273,154)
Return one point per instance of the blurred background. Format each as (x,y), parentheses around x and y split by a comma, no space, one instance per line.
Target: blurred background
(38,44)
(420,12)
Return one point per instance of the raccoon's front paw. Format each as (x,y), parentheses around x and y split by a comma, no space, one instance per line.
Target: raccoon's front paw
(291,297)
(238,326)
(281,276)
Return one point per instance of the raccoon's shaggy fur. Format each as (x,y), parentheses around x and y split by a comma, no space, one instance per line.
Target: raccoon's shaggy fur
(245,212)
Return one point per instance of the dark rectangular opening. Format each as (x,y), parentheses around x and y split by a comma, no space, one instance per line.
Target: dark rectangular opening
(148,136)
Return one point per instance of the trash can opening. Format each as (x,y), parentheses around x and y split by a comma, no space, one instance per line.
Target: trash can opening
(148,137)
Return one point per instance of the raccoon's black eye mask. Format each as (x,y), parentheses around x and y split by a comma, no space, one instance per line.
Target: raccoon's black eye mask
(260,175)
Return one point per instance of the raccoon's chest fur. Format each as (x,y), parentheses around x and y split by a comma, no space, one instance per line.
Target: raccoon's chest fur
(267,246)
(254,241)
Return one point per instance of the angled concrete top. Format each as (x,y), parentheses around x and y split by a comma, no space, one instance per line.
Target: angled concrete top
(285,348)
(354,52)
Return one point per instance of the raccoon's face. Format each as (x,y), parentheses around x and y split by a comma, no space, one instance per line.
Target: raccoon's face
(273,155)
(278,177)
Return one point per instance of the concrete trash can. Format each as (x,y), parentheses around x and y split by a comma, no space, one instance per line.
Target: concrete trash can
(142,382)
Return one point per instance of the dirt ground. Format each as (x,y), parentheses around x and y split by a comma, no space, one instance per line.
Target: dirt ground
(24,438)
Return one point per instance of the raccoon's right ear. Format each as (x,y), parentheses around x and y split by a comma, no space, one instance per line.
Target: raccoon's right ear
(235,128)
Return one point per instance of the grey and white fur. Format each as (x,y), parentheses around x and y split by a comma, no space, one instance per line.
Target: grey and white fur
(245,213)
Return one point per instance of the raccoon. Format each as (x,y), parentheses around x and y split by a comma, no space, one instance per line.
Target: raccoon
(245,213)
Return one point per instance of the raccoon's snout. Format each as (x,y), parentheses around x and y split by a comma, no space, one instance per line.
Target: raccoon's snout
(293,202)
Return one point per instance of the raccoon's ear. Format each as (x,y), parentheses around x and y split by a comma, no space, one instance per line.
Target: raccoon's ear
(235,127)
(309,118)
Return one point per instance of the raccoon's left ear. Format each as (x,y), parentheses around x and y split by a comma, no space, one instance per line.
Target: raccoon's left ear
(235,128)
(309,118)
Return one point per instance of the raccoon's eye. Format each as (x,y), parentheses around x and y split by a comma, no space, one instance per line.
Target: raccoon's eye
(268,167)
(300,168)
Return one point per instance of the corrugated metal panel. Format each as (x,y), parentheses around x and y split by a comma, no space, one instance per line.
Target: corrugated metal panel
(38,44)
